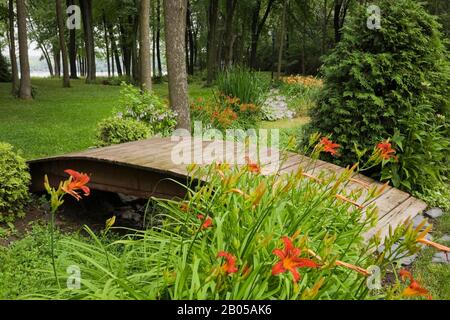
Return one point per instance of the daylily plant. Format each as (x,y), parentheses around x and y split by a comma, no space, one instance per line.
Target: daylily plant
(71,186)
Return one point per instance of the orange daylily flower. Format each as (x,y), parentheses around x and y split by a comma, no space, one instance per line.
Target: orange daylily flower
(252,167)
(289,260)
(360,270)
(361,183)
(310,176)
(386,150)
(76,182)
(414,289)
(230,264)
(343,198)
(259,193)
(208,222)
(433,244)
(329,146)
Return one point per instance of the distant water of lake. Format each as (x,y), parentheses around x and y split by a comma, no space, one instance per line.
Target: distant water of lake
(46,74)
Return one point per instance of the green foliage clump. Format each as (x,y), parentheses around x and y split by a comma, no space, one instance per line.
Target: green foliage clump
(117,130)
(300,98)
(5,72)
(241,83)
(391,83)
(14,181)
(147,108)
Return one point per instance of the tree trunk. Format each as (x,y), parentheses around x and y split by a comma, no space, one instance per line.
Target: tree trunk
(12,50)
(229,36)
(324,27)
(72,49)
(337,10)
(186,49)
(175,24)
(213,13)
(134,50)
(57,61)
(86,12)
(48,60)
(153,40)
(257,27)
(106,38)
(189,41)
(304,37)
(195,43)
(144,46)
(282,35)
(62,44)
(81,64)
(25,77)
(115,51)
(158,37)
(340,12)
(113,69)
(126,52)
(190,38)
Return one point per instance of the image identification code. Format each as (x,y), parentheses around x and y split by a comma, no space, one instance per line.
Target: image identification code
(225,309)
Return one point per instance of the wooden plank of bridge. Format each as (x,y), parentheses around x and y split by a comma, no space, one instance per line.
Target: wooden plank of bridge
(140,166)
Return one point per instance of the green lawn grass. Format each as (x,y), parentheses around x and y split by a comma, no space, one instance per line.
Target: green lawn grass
(285,123)
(62,120)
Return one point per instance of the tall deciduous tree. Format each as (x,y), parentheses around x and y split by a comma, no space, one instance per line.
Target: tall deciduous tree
(86,11)
(175,24)
(340,12)
(158,37)
(257,27)
(144,46)
(72,49)
(229,36)
(213,13)
(62,44)
(281,39)
(12,50)
(25,78)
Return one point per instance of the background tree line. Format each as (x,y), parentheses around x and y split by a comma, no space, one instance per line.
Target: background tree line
(282,36)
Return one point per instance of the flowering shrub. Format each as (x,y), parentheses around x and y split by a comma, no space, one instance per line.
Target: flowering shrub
(225,112)
(147,108)
(14,180)
(248,236)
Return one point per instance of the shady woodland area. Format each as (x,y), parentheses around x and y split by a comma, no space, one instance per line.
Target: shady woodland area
(362,85)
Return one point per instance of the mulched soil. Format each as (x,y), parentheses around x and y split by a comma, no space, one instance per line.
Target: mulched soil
(92,211)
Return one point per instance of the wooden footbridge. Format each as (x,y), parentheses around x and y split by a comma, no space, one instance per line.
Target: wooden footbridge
(142,169)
